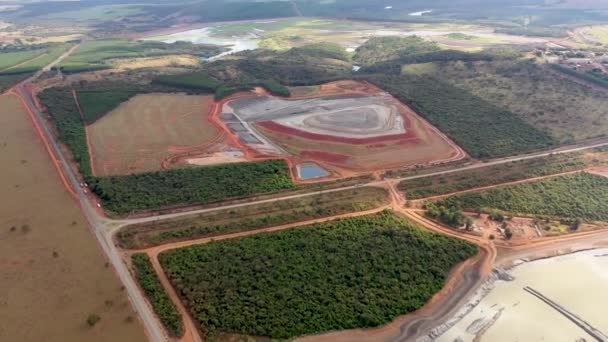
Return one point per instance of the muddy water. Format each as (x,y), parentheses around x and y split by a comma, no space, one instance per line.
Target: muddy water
(578,282)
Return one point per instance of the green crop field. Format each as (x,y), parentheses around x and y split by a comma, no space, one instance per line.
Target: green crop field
(578,196)
(9,59)
(351,273)
(92,55)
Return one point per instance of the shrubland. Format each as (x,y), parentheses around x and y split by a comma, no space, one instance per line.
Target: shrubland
(496,174)
(251,217)
(580,195)
(350,273)
(380,49)
(482,129)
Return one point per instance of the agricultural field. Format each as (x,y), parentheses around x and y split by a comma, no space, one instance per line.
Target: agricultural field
(443,184)
(359,130)
(578,196)
(142,133)
(19,65)
(565,109)
(251,217)
(97,54)
(54,276)
(349,273)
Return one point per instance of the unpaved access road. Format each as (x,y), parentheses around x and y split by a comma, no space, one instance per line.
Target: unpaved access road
(97,222)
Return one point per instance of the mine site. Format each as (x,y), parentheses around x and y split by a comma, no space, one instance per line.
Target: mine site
(304,170)
(347,127)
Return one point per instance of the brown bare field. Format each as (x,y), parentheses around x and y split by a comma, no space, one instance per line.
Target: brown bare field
(53,273)
(142,133)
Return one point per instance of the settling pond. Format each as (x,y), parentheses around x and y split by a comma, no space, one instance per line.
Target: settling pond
(311,171)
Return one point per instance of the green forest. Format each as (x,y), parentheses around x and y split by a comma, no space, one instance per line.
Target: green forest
(577,196)
(482,129)
(161,303)
(380,49)
(201,185)
(350,273)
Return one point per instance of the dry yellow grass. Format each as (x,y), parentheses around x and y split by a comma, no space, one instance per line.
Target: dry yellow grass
(140,133)
(53,274)
(154,62)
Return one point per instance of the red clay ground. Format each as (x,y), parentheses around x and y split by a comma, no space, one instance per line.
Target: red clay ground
(422,144)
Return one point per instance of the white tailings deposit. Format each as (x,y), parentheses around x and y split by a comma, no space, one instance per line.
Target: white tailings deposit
(351,117)
(503,311)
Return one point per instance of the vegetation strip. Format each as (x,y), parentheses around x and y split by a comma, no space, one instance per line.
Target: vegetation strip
(350,273)
(161,303)
(444,184)
(579,196)
(251,217)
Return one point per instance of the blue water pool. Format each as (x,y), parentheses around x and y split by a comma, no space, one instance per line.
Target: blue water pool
(310,171)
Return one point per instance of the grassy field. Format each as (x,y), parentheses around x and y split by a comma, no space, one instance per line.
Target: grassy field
(140,133)
(10,59)
(597,33)
(50,54)
(95,54)
(579,196)
(350,273)
(53,272)
(544,99)
(459,181)
(251,217)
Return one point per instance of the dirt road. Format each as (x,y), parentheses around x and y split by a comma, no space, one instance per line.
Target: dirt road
(97,222)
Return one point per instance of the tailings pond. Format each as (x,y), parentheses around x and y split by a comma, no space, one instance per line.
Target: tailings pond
(578,282)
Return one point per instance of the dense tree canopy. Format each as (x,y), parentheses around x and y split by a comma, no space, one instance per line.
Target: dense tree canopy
(356,272)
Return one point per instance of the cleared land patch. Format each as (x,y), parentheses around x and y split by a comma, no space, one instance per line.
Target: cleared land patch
(356,272)
(579,196)
(360,128)
(53,272)
(251,217)
(142,132)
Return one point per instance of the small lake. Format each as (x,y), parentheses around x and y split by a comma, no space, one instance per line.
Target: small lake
(311,171)
(206,36)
